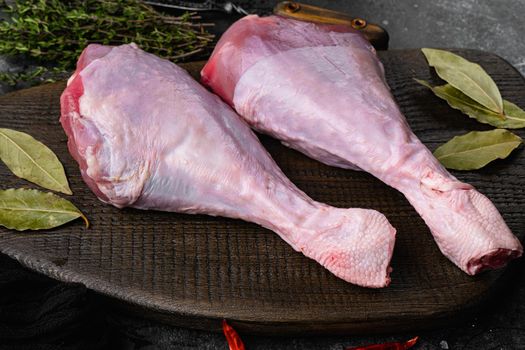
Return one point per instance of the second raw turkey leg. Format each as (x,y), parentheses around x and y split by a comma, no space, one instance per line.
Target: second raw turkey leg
(321,90)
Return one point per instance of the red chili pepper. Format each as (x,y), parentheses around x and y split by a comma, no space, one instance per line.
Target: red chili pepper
(388,346)
(232,337)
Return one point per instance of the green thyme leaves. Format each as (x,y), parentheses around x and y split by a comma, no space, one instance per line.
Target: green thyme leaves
(53,33)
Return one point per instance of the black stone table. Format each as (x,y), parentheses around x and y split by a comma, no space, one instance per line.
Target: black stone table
(61,316)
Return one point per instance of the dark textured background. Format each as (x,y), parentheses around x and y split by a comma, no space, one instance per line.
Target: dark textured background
(70,317)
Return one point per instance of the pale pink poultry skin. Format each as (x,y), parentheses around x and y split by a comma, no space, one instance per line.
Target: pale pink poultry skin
(147,135)
(321,89)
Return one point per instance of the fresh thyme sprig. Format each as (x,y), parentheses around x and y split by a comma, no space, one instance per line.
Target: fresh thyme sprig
(54,32)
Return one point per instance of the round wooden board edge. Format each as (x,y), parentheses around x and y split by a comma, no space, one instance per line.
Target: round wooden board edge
(178,316)
(182,316)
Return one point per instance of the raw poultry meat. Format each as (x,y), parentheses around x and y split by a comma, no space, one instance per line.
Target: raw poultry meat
(322,90)
(146,135)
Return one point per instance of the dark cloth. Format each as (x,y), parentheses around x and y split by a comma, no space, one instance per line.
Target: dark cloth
(39,313)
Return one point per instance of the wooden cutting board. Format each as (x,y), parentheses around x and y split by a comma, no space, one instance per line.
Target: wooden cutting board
(195,270)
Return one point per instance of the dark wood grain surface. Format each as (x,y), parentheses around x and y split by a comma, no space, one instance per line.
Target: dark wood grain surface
(194,270)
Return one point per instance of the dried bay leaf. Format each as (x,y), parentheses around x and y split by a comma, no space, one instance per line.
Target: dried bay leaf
(476,149)
(32,160)
(514,115)
(25,209)
(467,77)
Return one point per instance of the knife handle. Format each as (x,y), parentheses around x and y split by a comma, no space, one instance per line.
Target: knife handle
(377,35)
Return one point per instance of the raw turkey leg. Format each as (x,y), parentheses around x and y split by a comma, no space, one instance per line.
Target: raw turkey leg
(321,90)
(146,135)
